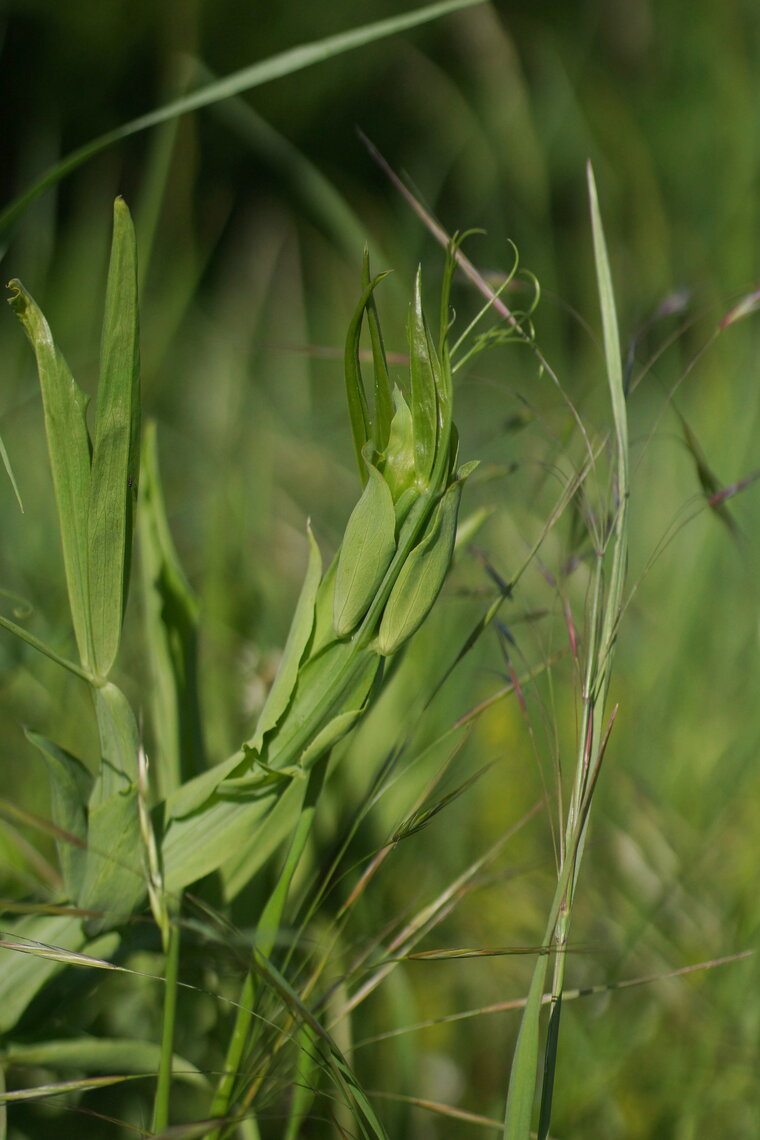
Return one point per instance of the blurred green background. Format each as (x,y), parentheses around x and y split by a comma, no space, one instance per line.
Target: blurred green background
(251,217)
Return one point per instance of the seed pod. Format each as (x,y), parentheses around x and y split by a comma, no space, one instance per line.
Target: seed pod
(421,577)
(368,547)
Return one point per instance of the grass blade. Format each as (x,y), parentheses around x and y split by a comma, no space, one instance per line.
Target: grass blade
(93,1054)
(65,407)
(424,398)
(382,389)
(298,637)
(170,613)
(612,354)
(115,459)
(606,608)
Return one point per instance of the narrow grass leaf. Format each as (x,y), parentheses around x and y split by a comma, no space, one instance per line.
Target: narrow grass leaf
(70,786)
(285,63)
(300,631)
(424,400)
(304,1086)
(358,409)
(522,1078)
(170,622)
(115,459)
(612,354)
(366,1118)
(94,1054)
(65,408)
(368,546)
(382,387)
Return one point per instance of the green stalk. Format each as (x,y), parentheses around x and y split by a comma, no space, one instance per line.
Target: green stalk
(266,935)
(163,1085)
(607,605)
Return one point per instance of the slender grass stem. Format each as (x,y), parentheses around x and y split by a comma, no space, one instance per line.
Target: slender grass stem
(163,1086)
(242,1038)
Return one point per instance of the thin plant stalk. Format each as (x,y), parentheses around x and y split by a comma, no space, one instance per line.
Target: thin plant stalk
(605,615)
(163,1085)
(606,607)
(266,935)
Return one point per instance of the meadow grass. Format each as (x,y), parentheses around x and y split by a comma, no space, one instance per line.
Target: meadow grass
(387,923)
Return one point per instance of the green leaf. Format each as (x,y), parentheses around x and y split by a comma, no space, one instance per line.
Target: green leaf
(421,577)
(358,409)
(114,881)
(332,732)
(424,403)
(324,633)
(115,459)
(70,785)
(327,686)
(170,611)
(613,358)
(522,1078)
(382,391)
(65,409)
(368,546)
(119,742)
(230,832)
(287,62)
(298,637)
(304,1085)
(94,1054)
(193,793)
(114,877)
(399,465)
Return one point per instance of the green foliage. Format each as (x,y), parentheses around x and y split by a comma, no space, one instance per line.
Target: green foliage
(334,927)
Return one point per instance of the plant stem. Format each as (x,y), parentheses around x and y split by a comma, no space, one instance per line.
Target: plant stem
(266,935)
(163,1086)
